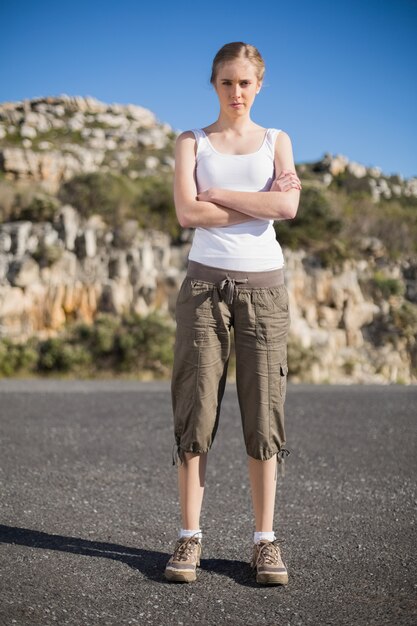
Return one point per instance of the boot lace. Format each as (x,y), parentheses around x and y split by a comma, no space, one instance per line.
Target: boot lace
(184,549)
(269,554)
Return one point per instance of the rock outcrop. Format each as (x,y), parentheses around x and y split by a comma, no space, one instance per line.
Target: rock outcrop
(370,179)
(51,274)
(356,322)
(49,140)
(344,333)
(55,273)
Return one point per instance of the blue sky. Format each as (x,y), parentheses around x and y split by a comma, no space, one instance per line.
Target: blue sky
(341,76)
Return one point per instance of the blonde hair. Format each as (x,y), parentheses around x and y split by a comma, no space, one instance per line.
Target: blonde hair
(236,50)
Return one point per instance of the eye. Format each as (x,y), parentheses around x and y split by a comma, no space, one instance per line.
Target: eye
(245,83)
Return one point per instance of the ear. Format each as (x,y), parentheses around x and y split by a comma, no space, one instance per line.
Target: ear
(259,88)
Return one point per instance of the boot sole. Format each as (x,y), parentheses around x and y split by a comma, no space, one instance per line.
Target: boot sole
(180,577)
(270,579)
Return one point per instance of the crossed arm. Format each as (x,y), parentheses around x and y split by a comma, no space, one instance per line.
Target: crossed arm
(224,207)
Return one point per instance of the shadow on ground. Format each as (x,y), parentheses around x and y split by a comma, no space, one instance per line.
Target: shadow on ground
(149,562)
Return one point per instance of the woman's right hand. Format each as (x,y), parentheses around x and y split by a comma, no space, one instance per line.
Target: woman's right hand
(287,180)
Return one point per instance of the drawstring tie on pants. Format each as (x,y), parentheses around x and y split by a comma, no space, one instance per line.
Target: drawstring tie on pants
(229,285)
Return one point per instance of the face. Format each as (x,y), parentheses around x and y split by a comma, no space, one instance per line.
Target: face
(236,86)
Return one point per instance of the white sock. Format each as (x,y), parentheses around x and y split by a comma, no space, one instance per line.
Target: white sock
(189,533)
(263,536)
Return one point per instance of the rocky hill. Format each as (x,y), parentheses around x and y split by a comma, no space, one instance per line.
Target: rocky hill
(88,228)
(52,139)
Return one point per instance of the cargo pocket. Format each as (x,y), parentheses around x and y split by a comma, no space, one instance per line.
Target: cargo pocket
(277,393)
(283,371)
(194,304)
(272,317)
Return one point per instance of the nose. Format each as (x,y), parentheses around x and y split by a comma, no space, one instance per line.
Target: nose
(236,91)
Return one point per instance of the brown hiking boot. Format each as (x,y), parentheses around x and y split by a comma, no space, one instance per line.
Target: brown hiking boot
(181,567)
(270,568)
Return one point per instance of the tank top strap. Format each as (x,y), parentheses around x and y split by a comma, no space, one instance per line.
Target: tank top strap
(271,136)
(198,134)
(200,138)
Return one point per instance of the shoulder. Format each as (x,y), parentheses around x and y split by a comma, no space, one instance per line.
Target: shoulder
(186,137)
(282,142)
(284,158)
(282,137)
(186,144)
(278,142)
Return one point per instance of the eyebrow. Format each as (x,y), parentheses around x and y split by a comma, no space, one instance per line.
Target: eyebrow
(240,79)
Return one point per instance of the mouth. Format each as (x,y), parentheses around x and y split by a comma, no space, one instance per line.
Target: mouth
(236,105)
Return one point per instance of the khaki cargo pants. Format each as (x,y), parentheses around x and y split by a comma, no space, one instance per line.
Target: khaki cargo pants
(211,301)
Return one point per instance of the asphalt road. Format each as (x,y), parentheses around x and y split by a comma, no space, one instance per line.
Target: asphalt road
(89,515)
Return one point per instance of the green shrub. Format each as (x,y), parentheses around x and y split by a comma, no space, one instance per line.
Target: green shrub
(400,322)
(390,221)
(25,200)
(300,359)
(105,193)
(127,344)
(16,357)
(41,208)
(130,343)
(315,225)
(56,354)
(144,343)
(155,207)
(12,139)
(47,255)
(333,254)
(103,334)
(116,198)
(349,366)
(358,187)
(405,320)
(7,199)
(388,286)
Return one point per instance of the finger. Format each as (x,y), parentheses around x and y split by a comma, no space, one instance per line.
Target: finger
(291,185)
(289,176)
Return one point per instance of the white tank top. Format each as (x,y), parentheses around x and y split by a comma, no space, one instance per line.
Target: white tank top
(252,245)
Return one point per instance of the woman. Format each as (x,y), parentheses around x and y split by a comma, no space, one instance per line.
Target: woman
(234,278)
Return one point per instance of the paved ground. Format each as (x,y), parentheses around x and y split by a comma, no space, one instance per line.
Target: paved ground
(89,510)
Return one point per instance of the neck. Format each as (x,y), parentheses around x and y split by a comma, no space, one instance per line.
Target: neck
(236,124)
